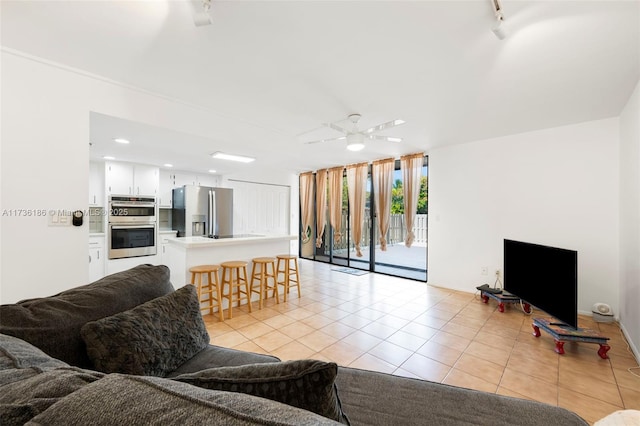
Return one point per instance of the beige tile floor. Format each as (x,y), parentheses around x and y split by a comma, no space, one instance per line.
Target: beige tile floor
(411,329)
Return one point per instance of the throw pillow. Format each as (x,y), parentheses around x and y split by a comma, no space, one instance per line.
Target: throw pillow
(307,384)
(135,400)
(151,339)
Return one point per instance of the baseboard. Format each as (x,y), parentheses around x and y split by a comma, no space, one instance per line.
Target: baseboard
(632,346)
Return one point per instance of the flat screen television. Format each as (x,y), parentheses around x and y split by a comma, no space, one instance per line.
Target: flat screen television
(546,277)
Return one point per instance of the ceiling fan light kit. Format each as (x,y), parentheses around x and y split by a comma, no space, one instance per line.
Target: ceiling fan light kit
(355,142)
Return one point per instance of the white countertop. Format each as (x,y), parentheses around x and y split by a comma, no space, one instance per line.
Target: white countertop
(202,242)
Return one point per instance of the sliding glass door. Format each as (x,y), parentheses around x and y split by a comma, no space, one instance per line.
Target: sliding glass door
(338,247)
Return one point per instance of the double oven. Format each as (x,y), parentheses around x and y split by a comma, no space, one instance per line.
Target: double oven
(132,226)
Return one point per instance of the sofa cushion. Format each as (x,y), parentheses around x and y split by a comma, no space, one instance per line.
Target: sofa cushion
(53,323)
(373,398)
(217,356)
(132,400)
(151,339)
(306,384)
(26,392)
(16,353)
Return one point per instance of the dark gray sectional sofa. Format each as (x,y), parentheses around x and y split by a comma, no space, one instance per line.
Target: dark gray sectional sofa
(129,349)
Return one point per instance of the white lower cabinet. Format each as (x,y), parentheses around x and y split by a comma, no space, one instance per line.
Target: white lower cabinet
(96,258)
(164,244)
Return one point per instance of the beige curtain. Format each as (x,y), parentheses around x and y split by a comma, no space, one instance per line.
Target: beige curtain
(357,187)
(335,201)
(306,202)
(321,205)
(382,174)
(411,166)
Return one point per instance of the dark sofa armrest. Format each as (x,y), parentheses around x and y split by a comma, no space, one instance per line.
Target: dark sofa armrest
(216,356)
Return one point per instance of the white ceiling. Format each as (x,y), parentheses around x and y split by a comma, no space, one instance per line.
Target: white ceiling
(272,72)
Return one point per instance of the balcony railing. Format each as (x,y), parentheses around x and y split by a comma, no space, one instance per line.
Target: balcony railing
(396,234)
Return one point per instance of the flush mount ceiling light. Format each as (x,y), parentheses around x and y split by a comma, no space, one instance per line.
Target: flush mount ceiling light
(222,156)
(168,165)
(498,28)
(109,157)
(121,140)
(212,171)
(201,15)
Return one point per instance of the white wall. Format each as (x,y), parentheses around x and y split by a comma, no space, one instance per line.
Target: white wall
(557,187)
(630,220)
(45,164)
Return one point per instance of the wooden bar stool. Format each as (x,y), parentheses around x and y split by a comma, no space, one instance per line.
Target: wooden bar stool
(211,288)
(288,267)
(234,273)
(263,275)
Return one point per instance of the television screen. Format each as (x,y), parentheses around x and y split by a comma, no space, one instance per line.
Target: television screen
(546,277)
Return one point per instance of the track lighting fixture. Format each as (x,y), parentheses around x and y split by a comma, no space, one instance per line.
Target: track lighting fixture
(201,16)
(498,28)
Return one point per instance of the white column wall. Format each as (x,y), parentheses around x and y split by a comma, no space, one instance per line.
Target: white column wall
(630,220)
(558,187)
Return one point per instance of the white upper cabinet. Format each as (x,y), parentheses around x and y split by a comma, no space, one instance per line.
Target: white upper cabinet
(96,184)
(131,179)
(165,197)
(184,178)
(207,180)
(145,180)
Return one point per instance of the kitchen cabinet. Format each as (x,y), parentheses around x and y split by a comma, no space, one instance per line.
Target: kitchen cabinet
(184,178)
(187,178)
(96,258)
(96,184)
(176,179)
(131,179)
(207,180)
(164,243)
(165,197)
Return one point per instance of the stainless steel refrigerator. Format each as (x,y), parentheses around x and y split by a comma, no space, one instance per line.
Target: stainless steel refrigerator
(203,211)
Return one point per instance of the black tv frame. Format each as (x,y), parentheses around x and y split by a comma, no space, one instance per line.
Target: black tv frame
(543,276)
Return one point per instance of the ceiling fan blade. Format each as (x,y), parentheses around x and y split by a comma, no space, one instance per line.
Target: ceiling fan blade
(326,140)
(384,138)
(383,126)
(336,127)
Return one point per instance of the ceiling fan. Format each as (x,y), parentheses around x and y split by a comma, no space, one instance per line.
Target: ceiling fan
(355,137)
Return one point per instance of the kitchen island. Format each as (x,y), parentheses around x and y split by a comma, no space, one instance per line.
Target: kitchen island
(185,252)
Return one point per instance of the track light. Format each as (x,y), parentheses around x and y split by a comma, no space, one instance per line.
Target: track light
(498,29)
(201,17)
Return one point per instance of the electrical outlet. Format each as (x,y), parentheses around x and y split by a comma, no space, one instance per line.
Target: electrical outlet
(485,270)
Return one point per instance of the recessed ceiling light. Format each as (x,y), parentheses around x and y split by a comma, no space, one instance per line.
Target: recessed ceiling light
(121,140)
(212,171)
(108,157)
(232,157)
(168,165)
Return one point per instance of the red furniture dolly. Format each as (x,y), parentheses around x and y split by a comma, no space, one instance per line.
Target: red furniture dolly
(502,298)
(562,334)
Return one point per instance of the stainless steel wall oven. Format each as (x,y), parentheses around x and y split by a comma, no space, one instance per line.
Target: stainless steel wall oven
(132,227)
